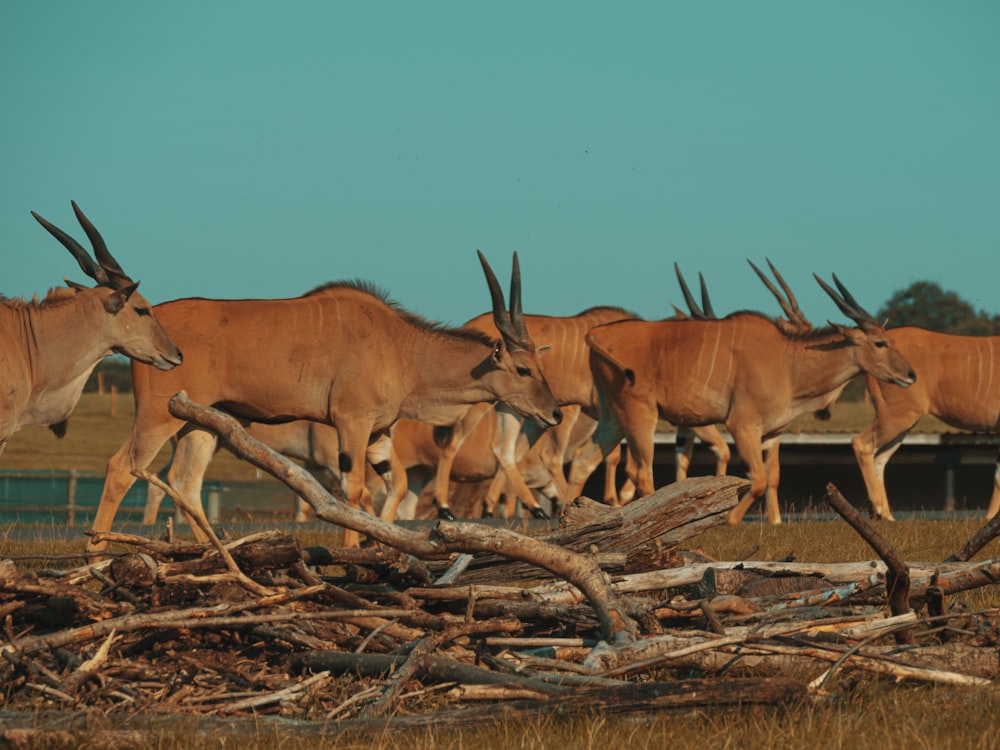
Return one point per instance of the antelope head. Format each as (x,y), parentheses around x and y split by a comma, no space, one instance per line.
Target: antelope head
(128,316)
(515,375)
(876,352)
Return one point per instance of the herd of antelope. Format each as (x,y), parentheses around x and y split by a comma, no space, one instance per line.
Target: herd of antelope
(367,393)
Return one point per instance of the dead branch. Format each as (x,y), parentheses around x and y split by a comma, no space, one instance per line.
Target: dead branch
(897,576)
(979,540)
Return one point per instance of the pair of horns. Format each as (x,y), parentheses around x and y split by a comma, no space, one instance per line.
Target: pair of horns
(789,305)
(510,322)
(705,312)
(847,304)
(105,271)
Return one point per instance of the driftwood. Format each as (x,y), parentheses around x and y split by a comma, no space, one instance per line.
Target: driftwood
(357,638)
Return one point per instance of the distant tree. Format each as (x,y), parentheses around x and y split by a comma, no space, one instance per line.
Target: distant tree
(926,304)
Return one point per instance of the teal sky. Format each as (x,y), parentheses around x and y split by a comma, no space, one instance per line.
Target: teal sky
(239,149)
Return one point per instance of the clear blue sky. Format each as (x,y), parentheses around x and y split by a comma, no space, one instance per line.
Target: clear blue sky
(242,149)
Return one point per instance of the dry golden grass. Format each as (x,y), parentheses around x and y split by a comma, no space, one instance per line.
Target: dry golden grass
(98,427)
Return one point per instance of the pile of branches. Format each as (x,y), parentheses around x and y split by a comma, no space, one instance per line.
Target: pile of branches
(467,622)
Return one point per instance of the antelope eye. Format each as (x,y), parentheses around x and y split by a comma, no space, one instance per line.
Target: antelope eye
(523,372)
(143,311)
(881,344)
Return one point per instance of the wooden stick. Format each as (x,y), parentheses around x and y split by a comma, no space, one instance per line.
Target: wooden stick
(235,573)
(277,696)
(414,662)
(979,540)
(897,576)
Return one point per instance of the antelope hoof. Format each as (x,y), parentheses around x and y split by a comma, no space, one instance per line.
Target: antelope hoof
(487,514)
(445,514)
(539,513)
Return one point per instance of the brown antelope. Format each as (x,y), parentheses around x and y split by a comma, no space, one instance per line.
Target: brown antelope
(743,371)
(315,444)
(587,453)
(565,359)
(795,323)
(418,444)
(342,354)
(959,384)
(415,445)
(50,348)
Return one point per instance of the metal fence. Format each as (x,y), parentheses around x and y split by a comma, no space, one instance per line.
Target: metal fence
(70,498)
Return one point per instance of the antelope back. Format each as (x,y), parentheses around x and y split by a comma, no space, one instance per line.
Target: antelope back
(959,381)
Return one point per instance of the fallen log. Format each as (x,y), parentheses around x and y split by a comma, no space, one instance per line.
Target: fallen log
(434,668)
(647,531)
(635,699)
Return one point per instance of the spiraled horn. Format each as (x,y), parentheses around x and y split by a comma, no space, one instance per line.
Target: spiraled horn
(788,303)
(87,264)
(706,303)
(847,304)
(116,275)
(501,316)
(696,312)
(516,312)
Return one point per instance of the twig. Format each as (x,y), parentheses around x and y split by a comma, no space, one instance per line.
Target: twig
(979,540)
(90,667)
(266,700)
(414,662)
(242,578)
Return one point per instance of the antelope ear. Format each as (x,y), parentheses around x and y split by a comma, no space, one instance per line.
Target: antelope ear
(115,301)
(128,290)
(74,285)
(498,348)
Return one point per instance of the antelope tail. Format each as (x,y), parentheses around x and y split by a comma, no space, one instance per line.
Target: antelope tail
(628,372)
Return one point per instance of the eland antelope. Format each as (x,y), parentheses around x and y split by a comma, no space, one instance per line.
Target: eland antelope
(588,453)
(418,446)
(959,384)
(50,348)
(342,354)
(743,371)
(565,357)
(794,323)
